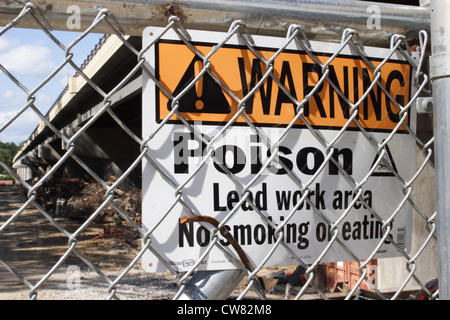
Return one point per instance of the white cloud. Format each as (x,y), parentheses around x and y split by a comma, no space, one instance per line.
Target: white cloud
(7,43)
(13,98)
(26,117)
(28,60)
(20,129)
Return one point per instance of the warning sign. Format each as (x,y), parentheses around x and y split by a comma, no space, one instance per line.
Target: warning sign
(286,197)
(239,70)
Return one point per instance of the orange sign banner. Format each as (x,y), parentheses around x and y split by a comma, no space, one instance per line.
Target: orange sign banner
(239,70)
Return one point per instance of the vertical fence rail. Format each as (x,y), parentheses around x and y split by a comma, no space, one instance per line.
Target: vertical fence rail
(440,75)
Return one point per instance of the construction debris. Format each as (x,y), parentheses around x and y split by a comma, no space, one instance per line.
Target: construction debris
(79,199)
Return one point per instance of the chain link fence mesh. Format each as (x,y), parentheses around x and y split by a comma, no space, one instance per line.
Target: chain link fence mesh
(78,251)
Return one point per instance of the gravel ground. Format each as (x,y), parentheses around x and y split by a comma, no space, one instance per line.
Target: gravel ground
(87,285)
(31,245)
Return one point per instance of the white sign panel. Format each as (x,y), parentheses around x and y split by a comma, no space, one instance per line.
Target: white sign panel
(187,177)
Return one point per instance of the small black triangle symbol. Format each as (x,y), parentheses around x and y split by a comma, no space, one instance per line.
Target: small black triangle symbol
(211,98)
(382,169)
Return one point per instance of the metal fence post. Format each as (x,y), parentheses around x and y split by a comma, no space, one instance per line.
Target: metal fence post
(440,75)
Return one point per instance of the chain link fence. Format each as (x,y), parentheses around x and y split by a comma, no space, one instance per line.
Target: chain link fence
(347,170)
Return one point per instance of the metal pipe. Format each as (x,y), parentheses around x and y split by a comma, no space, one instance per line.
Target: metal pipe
(440,76)
(322,19)
(213,285)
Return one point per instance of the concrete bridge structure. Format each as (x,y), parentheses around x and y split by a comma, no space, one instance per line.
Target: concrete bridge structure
(97,147)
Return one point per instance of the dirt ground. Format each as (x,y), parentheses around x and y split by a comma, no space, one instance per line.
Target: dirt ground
(31,245)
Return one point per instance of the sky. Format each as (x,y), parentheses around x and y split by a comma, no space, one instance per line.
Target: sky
(31,56)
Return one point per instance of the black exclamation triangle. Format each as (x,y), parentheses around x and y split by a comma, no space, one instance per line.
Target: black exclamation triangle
(206,96)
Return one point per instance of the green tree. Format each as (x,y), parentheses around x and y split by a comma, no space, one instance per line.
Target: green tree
(7,152)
